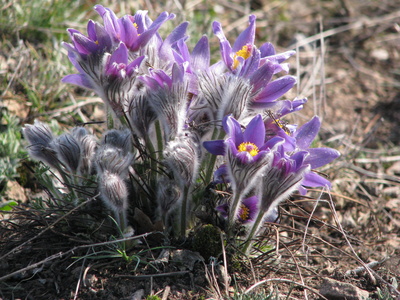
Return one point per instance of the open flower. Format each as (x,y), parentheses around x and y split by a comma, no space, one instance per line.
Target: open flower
(247,146)
(258,65)
(247,211)
(246,153)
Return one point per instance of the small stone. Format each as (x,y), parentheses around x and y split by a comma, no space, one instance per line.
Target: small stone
(14,191)
(336,290)
(380,54)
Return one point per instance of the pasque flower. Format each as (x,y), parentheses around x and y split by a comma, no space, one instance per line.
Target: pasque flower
(258,65)
(246,153)
(247,211)
(111,56)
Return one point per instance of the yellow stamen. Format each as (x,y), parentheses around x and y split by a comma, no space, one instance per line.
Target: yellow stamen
(245,52)
(245,213)
(248,147)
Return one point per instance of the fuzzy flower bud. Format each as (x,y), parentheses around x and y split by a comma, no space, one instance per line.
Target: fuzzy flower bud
(68,151)
(113,191)
(40,137)
(181,155)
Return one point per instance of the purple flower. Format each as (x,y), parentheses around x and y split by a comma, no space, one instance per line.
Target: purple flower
(246,153)
(134,31)
(258,65)
(247,146)
(247,211)
(110,57)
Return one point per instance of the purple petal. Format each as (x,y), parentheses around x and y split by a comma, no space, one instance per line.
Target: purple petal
(100,9)
(275,141)
(78,79)
(245,157)
(200,58)
(321,156)
(120,55)
(223,209)
(216,147)
(129,33)
(103,38)
(251,64)
(142,20)
(299,158)
(233,129)
(276,89)
(83,44)
(91,30)
(178,72)
(177,34)
(221,175)
(262,76)
(312,179)
(224,44)
(247,36)
(281,57)
(307,133)
(147,35)
(255,131)
(111,24)
(267,49)
(134,65)
(182,54)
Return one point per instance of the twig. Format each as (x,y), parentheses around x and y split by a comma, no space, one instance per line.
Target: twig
(178,273)
(284,281)
(370,265)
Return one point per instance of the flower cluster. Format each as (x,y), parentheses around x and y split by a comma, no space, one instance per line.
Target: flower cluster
(178,124)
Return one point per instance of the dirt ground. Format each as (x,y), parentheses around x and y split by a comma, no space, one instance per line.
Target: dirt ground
(348,64)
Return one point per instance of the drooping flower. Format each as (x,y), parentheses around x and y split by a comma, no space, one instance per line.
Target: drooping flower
(282,178)
(278,181)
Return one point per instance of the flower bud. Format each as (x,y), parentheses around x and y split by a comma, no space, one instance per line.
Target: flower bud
(68,151)
(40,137)
(113,191)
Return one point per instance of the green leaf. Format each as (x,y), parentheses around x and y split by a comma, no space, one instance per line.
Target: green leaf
(8,205)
